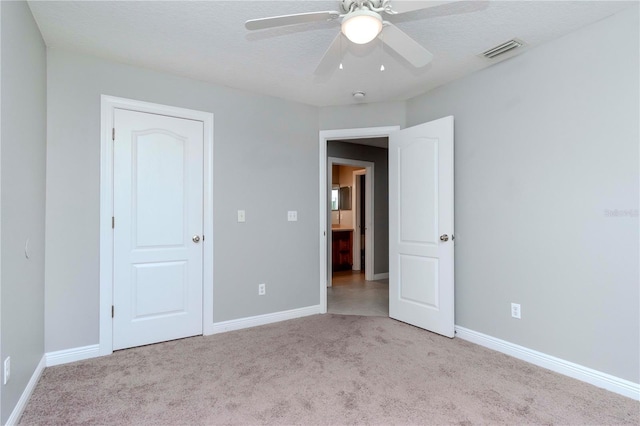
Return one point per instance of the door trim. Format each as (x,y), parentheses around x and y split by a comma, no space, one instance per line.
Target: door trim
(357,223)
(324,137)
(108,105)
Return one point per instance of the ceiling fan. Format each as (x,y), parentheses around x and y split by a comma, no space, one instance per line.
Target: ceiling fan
(362,22)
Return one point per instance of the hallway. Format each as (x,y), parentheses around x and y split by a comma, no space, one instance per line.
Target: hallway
(352,295)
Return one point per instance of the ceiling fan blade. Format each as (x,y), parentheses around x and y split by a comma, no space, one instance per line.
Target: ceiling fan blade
(404,6)
(405,46)
(298,18)
(332,57)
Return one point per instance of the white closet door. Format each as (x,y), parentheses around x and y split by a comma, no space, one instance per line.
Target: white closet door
(158,211)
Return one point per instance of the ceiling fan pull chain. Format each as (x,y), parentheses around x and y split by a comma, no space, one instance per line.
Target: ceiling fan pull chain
(381,36)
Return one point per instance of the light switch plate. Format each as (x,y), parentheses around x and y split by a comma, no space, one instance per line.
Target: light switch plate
(7,370)
(292,215)
(515,311)
(241,216)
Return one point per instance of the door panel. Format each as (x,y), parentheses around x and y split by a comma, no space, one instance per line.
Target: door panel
(420,274)
(167,281)
(158,207)
(421,279)
(159,162)
(418,175)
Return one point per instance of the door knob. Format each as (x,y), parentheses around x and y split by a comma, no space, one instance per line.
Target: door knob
(444,237)
(196,238)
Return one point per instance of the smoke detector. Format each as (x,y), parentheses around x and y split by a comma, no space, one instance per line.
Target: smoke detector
(359,95)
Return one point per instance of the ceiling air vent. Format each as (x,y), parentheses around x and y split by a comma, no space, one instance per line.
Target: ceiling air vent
(502,48)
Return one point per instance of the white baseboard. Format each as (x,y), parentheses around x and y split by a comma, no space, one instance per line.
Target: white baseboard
(585,374)
(382,276)
(85,352)
(26,394)
(238,324)
(71,355)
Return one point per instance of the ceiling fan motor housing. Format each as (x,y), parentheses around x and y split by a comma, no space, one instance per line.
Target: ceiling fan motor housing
(349,5)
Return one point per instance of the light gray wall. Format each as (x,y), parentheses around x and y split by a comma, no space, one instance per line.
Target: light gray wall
(266,162)
(22,180)
(379,157)
(362,115)
(546,144)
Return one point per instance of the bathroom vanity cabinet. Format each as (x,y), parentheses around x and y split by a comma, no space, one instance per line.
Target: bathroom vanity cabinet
(341,249)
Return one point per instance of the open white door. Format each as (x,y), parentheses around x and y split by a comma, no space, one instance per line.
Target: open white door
(421,226)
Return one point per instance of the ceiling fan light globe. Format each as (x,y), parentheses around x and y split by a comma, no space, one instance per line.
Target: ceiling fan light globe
(362,26)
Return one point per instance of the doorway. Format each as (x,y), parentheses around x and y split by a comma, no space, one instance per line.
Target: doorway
(157,199)
(377,272)
(351,294)
(196,236)
(342,220)
(424,281)
(353,288)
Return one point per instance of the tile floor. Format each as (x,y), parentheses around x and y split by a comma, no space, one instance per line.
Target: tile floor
(352,295)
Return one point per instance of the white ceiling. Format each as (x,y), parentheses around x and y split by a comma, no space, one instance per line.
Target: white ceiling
(207,40)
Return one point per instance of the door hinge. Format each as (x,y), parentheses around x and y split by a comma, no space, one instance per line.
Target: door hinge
(112,311)
(113,222)
(113,133)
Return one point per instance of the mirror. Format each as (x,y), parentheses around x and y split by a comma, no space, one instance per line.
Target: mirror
(344,202)
(335,191)
(340,197)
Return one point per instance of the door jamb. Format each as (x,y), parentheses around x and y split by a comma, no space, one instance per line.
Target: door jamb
(357,223)
(324,137)
(108,106)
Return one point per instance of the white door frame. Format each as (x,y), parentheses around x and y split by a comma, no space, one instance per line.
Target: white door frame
(357,224)
(369,208)
(324,137)
(108,106)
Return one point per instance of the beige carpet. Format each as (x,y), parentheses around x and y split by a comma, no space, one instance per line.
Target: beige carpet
(324,369)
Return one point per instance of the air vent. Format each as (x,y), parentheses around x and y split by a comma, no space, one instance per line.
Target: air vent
(502,48)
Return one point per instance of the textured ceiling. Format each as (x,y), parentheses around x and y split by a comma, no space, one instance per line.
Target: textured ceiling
(207,40)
